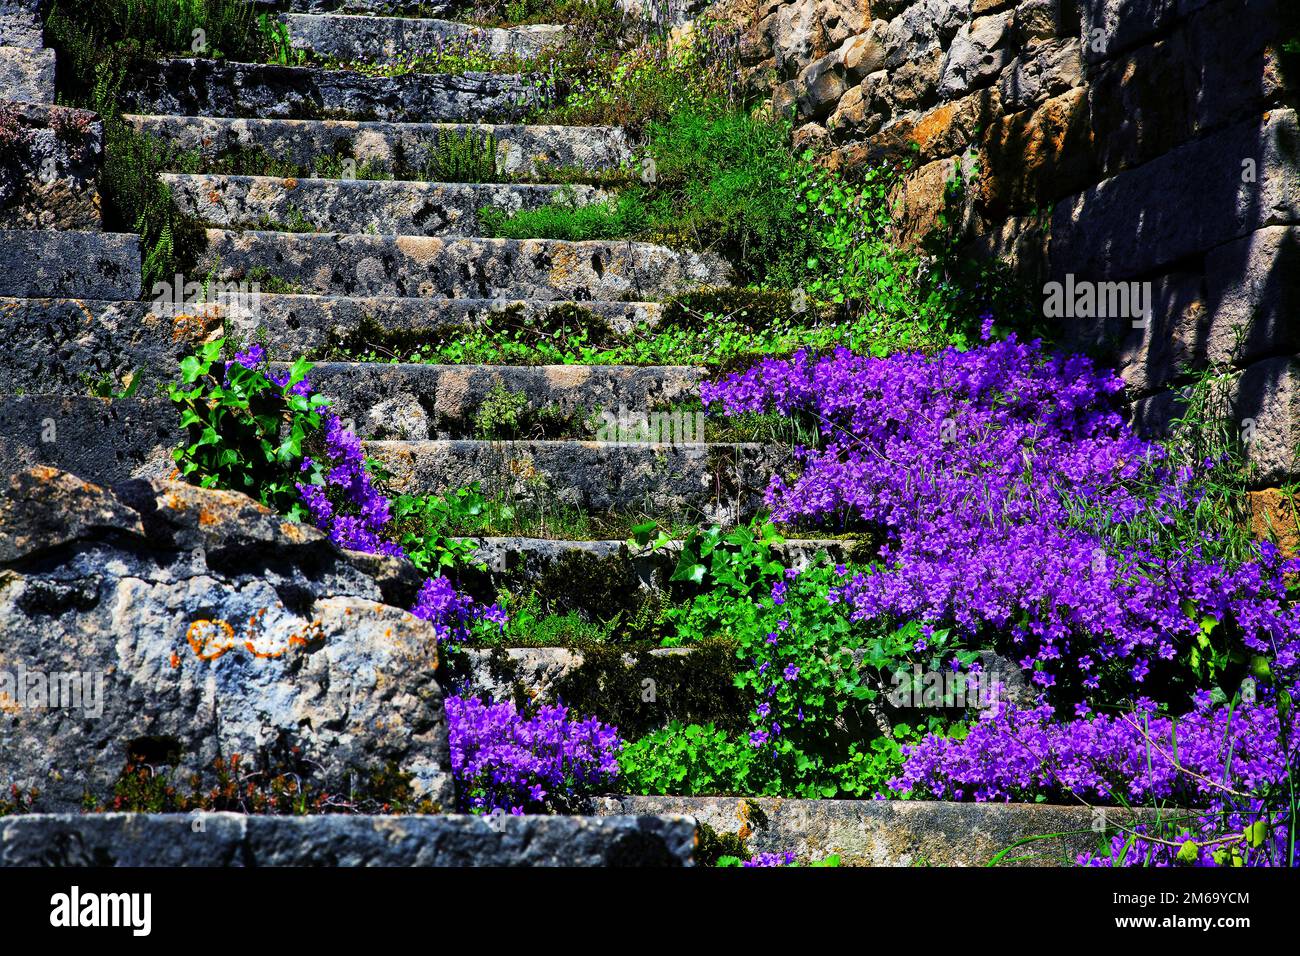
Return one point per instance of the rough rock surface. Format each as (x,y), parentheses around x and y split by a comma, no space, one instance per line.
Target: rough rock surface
(722,483)
(398,148)
(212,88)
(228,839)
(444,401)
(27,75)
(101,440)
(48,167)
(428,267)
(83,265)
(375,207)
(893,832)
(371,39)
(202,625)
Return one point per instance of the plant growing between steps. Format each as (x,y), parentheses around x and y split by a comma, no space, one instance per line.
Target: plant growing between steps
(268,434)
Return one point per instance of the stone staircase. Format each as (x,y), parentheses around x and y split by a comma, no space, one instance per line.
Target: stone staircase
(400,254)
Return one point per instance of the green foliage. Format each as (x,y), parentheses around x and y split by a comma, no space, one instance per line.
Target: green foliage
(422,525)
(719,182)
(243,432)
(277,42)
(695,760)
(617,218)
(463,157)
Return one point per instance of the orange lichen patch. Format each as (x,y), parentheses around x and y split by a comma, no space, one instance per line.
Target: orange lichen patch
(175,502)
(214,197)
(291,184)
(211,639)
(742,815)
(207,518)
(8,705)
(195,326)
(175,660)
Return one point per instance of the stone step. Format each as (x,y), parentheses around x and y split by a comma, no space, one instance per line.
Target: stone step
(26,75)
(418,402)
(107,441)
(62,346)
(233,839)
(420,8)
(697,482)
(425,267)
(903,832)
(373,207)
(403,150)
(528,565)
(92,265)
(104,441)
(359,39)
(215,88)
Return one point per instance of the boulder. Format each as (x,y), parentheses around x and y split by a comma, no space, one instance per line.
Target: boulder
(178,625)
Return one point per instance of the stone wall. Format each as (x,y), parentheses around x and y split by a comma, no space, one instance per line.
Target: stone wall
(1108,140)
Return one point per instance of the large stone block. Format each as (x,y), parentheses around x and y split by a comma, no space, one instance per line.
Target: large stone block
(1032,158)
(1049,70)
(1111,27)
(1190,200)
(198,625)
(1254,291)
(1138,105)
(978,54)
(1266,407)
(83,265)
(1232,67)
(230,839)
(99,439)
(26,74)
(896,832)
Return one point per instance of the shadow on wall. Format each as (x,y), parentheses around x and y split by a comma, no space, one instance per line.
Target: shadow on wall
(1172,175)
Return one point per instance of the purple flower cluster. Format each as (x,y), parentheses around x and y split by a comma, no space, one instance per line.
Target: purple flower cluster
(976,468)
(508,761)
(771,859)
(1218,762)
(1138,757)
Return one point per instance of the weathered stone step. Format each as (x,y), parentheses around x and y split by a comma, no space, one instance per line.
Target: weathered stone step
(215,88)
(92,265)
(416,402)
(427,8)
(516,563)
(26,74)
(232,839)
(425,267)
(63,346)
(373,207)
(100,440)
(902,832)
(354,38)
(403,150)
(703,482)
